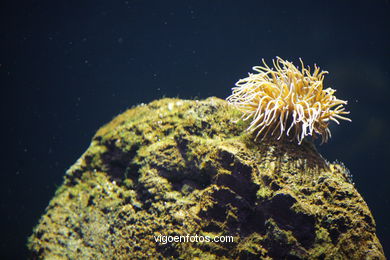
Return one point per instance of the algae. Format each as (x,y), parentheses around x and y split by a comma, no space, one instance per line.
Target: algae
(178,167)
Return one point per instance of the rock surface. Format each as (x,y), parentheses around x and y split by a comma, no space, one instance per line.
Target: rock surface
(180,167)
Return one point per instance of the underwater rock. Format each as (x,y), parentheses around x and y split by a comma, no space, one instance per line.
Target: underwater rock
(181,167)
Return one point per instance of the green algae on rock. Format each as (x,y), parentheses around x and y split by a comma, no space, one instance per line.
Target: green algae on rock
(177,167)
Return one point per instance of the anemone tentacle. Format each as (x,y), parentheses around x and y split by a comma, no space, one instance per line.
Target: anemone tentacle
(287,100)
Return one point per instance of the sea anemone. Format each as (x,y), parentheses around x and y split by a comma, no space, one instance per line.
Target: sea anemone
(287,101)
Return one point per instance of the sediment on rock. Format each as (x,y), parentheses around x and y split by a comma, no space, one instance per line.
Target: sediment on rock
(182,167)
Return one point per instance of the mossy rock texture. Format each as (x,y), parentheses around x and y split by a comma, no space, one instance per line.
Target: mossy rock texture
(187,167)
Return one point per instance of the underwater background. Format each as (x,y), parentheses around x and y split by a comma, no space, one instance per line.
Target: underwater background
(68,67)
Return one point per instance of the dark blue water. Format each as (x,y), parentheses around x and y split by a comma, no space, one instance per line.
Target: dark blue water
(67,67)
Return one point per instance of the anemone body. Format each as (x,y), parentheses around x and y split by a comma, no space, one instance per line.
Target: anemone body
(286,101)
